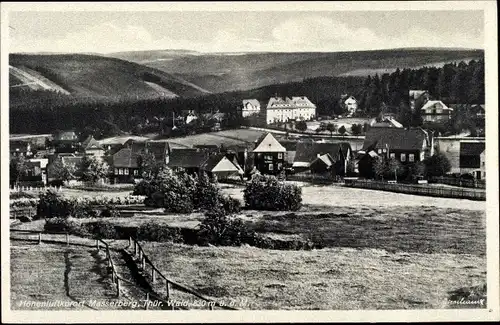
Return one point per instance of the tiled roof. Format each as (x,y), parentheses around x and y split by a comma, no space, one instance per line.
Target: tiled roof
(294,102)
(394,138)
(307,152)
(125,158)
(187,158)
(471,148)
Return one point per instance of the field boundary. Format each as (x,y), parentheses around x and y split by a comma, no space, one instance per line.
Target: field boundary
(424,190)
(170,284)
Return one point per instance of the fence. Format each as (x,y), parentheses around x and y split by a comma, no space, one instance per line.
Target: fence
(313,178)
(34,188)
(420,190)
(155,273)
(472,183)
(22,212)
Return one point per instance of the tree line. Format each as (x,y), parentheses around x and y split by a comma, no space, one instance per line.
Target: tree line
(42,111)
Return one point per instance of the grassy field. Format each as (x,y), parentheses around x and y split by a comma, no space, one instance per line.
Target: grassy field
(225,138)
(336,278)
(49,273)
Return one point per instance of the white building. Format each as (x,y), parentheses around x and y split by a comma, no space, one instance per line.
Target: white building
(351,105)
(286,109)
(435,111)
(250,107)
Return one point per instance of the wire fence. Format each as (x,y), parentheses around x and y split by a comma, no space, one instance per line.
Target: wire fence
(420,190)
(471,183)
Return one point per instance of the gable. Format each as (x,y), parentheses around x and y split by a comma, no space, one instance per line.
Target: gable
(269,144)
(224,165)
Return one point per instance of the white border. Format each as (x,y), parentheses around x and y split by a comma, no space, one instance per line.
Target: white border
(491,79)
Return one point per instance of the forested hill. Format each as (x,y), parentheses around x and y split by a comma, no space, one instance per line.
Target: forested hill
(454,83)
(74,78)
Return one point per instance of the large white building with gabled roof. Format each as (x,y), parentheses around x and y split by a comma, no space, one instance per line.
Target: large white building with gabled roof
(289,109)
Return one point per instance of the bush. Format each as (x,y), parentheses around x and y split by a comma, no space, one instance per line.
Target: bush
(161,233)
(437,165)
(101,230)
(219,229)
(59,224)
(109,212)
(51,205)
(267,193)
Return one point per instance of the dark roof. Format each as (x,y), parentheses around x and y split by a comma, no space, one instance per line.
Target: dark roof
(471,148)
(290,145)
(159,149)
(187,158)
(309,151)
(91,143)
(18,145)
(125,158)
(212,161)
(394,138)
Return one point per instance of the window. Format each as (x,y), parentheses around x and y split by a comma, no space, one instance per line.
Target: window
(125,171)
(384,150)
(116,171)
(268,157)
(120,171)
(392,155)
(411,157)
(270,166)
(280,155)
(379,151)
(136,172)
(403,157)
(280,166)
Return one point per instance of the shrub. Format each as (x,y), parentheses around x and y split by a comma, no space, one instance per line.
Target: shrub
(267,193)
(229,204)
(161,233)
(109,212)
(437,165)
(59,224)
(219,229)
(101,229)
(206,193)
(51,204)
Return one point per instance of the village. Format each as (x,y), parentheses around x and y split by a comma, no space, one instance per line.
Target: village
(295,144)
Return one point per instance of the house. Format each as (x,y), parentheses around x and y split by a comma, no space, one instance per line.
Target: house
(288,109)
(349,103)
(66,142)
(269,155)
(405,145)
(187,159)
(322,157)
(221,166)
(70,160)
(190,117)
(159,149)
(435,111)
(91,147)
(42,164)
(291,149)
(20,148)
(125,166)
(250,107)
(386,122)
(32,175)
(472,159)
(418,98)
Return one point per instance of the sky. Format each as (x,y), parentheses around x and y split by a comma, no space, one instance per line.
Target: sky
(286,31)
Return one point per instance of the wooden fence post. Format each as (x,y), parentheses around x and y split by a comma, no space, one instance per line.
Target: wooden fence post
(129,241)
(67,239)
(168,290)
(152,274)
(143,263)
(39,238)
(147,301)
(97,244)
(135,248)
(117,286)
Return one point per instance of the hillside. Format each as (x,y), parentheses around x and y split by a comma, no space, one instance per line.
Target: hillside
(90,76)
(228,72)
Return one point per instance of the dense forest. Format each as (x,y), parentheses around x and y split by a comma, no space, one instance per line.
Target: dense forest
(42,111)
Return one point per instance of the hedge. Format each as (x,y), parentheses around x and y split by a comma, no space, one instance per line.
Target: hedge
(268,193)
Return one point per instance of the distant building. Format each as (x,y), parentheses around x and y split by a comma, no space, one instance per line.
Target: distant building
(435,111)
(20,148)
(287,109)
(472,159)
(91,147)
(66,142)
(250,107)
(125,166)
(322,157)
(418,98)
(350,104)
(404,145)
(269,155)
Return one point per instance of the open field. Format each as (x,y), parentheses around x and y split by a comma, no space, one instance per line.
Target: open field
(49,273)
(225,138)
(336,278)
(332,196)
